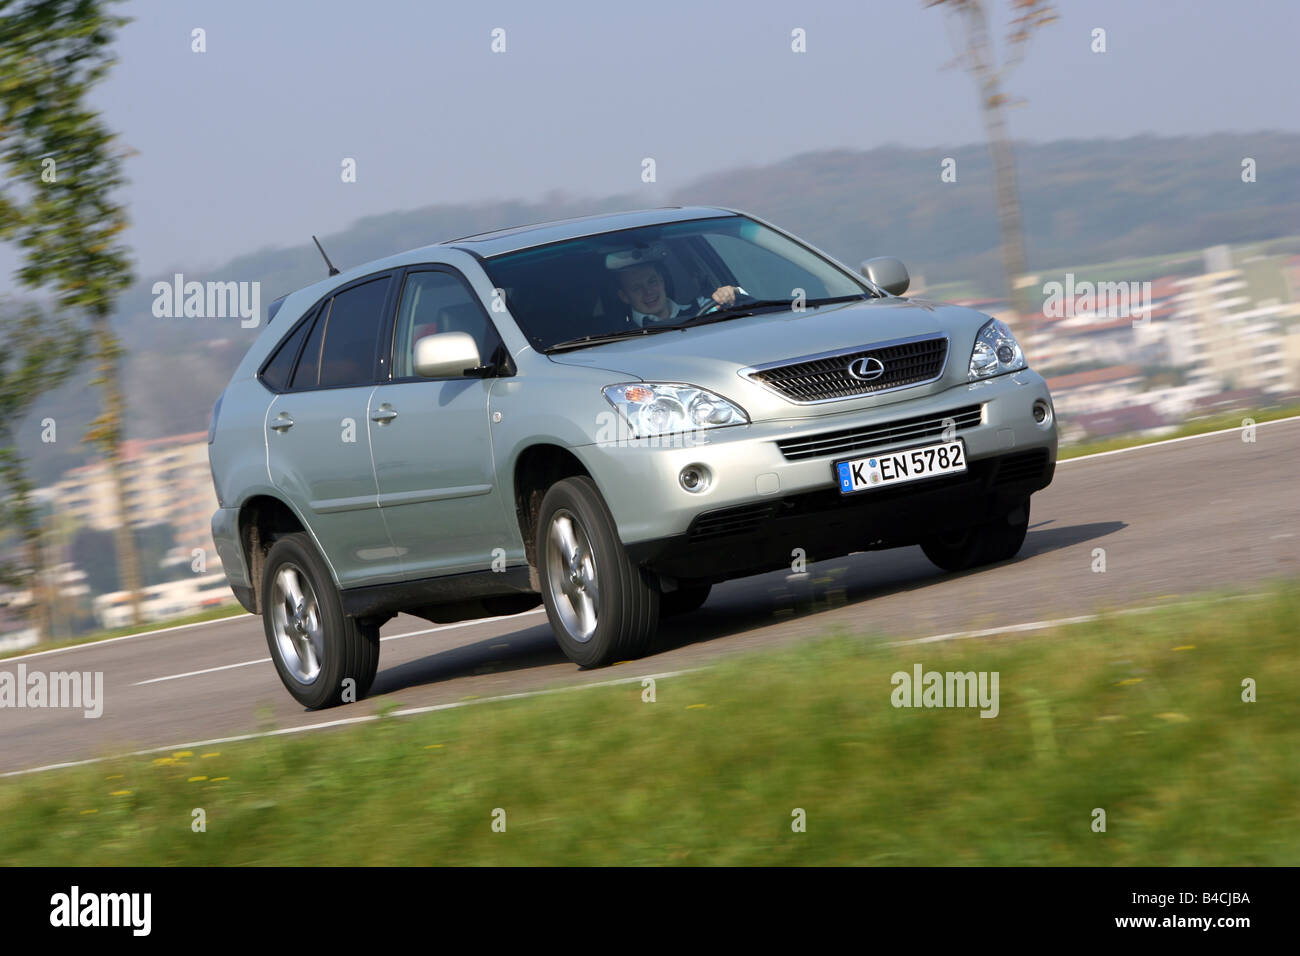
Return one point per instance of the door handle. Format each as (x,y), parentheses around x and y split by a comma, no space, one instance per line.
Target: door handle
(384,415)
(283,423)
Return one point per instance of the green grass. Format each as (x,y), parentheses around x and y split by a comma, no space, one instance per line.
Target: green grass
(1140,715)
(1199,427)
(211,614)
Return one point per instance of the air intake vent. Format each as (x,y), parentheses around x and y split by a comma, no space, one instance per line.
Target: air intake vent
(848,441)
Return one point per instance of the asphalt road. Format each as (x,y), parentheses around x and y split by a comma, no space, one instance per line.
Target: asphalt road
(1174,519)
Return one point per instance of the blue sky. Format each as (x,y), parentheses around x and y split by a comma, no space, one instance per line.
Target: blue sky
(240,147)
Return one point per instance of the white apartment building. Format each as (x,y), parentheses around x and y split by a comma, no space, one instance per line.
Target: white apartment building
(166,480)
(1230,341)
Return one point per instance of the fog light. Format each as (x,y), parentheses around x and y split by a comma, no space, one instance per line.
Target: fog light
(694,478)
(1042,412)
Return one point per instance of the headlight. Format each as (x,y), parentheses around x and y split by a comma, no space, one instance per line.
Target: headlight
(996,352)
(662,408)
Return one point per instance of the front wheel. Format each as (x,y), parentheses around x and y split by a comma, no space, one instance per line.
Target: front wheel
(323,657)
(986,543)
(599,604)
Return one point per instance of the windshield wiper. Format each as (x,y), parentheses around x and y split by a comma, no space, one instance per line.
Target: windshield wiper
(834,299)
(740,309)
(736,310)
(601,338)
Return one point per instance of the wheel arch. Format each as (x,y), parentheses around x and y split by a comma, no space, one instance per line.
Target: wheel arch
(536,469)
(263,518)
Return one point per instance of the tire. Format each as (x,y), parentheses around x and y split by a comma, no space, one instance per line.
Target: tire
(986,543)
(600,606)
(315,647)
(684,600)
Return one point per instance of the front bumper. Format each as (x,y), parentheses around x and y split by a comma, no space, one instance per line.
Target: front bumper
(818,525)
(639,479)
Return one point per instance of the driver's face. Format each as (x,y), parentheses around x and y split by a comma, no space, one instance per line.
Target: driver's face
(642,287)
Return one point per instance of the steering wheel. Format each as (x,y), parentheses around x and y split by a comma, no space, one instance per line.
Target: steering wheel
(712,306)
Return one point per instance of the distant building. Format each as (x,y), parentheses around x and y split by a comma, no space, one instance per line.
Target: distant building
(1097,390)
(1231,337)
(167,480)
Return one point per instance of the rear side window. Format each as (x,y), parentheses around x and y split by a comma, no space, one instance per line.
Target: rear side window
(308,373)
(341,348)
(277,371)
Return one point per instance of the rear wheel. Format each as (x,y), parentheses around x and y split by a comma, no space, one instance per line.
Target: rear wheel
(599,604)
(323,657)
(985,543)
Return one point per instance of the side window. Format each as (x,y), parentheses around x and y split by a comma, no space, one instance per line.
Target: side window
(347,355)
(434,302)
(276,372)
(341,348)
(308,372)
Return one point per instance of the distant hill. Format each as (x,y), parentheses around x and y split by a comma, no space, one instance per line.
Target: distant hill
(1085,201)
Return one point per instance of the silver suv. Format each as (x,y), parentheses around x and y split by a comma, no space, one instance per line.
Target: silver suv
(606,415)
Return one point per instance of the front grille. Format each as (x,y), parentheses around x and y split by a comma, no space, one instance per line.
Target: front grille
(849,440)
(826,377)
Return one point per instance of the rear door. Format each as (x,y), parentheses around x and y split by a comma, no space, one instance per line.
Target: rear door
(318,443)
(431,438)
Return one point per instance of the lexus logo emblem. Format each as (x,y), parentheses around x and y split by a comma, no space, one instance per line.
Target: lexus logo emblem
(867,369)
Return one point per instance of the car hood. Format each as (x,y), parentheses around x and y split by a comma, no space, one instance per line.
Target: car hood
(712,356)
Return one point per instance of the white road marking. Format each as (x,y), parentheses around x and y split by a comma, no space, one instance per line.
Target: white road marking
(345,721)
(391,637)
(1174,441)
(206,670)
(124,637)
(1058,622)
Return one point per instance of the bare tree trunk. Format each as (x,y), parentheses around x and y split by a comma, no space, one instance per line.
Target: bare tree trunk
(108,433)
(1008,198)
(13,476)
(992,105)
(43,596)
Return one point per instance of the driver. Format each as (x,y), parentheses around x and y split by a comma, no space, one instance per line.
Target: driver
(639,282)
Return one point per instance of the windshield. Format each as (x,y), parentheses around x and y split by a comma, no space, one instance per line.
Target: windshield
(638,280)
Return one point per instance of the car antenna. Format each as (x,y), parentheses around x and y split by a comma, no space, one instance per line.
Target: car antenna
(333,269)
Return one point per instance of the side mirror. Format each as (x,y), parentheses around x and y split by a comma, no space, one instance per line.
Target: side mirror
(888,273)
(446,355)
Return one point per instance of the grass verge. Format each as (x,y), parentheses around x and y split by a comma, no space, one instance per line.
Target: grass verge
(1139,715)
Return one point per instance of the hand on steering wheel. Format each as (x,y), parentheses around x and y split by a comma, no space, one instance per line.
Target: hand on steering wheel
(713,305)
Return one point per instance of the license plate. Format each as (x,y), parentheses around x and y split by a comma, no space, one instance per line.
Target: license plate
(896,467)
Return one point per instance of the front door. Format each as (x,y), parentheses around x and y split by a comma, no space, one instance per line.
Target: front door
(432,441)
